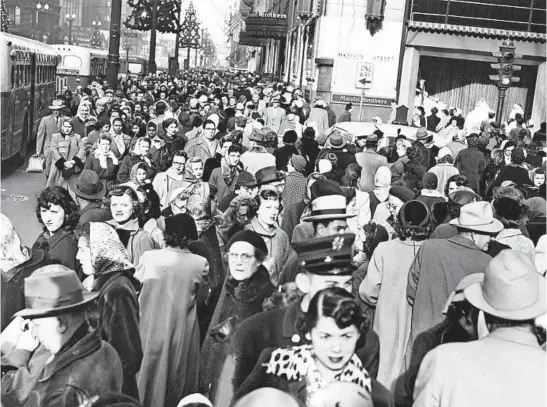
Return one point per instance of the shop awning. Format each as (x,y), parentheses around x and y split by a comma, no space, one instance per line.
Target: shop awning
(247,39)
(266,25)
(476,31)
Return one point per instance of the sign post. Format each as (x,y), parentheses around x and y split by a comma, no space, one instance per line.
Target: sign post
(363,81)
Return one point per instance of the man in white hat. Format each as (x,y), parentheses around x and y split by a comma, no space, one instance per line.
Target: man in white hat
(507,367)
(444,168)
(274,115)
(48,126)
(440,264)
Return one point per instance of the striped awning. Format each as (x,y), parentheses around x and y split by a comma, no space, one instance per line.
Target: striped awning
(476,31)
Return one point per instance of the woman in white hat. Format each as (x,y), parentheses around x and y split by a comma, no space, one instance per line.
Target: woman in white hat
(444,168)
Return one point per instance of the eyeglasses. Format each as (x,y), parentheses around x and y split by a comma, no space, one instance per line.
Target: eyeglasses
(245,258)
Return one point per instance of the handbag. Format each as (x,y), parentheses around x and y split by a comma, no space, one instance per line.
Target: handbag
(36,164)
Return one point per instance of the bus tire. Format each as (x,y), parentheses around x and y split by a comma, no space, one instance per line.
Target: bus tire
(24,139)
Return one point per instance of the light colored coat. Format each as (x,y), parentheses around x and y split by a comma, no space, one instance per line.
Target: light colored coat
(385,287)
(198,147)
(443,172)
(47,128)
(274,117)
(172,280)
(63,148)
(504,369)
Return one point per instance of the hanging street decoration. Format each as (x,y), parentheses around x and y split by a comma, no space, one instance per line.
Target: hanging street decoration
(189,32)
(5,22)
(166,15)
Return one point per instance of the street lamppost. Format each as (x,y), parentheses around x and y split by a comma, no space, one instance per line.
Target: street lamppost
(96,38)
(70,19)
(127,46)
(40,6)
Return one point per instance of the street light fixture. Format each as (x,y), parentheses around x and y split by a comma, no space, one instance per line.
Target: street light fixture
(70,19)
(40,6)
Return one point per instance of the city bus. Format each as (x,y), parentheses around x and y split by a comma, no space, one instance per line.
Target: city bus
(27,82)
(137,65)
(79,65)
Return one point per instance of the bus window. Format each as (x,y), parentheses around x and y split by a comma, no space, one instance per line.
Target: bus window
(72,62)
(39,72)
(18,74)
(12,76)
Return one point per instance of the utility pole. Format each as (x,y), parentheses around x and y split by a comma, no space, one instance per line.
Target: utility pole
(152,57)
(113,62)
(177,41)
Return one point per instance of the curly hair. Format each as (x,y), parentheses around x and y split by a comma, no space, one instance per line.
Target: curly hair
(336,303)
(176,240)
(121,190)
(59,196)
(516,195)
(352,176)
(446,159)
(460,180)
(265,195)
(373,238)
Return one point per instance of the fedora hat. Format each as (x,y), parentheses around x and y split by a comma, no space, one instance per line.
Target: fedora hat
(337,141)
(246,179)
(52,290)
(328,207)
(478,217)
(87,185)
(512,288)
(268,174)
(57,104)
(457,295)
(422,134)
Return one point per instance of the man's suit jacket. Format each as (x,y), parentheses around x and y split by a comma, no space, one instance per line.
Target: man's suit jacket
(273,118)
(46,129)
(506,368)
(197,147)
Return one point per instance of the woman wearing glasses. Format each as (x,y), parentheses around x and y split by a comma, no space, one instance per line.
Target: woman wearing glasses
(245,289)
(166,182)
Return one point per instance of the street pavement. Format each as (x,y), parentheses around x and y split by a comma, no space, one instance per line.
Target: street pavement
(19,191)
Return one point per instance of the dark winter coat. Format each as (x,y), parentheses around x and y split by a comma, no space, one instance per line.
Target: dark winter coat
(513,173)
(127,164)
(60,248)
(291,217)
(94,213)
(258,378)
(106,175)
(84,367)
(119,323)
(283,155)
(277,329)
(471,163)
(238,301)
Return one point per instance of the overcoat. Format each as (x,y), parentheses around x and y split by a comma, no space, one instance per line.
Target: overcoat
(506,368)
(173,280)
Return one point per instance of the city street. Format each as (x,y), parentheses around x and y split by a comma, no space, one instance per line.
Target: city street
(18,201)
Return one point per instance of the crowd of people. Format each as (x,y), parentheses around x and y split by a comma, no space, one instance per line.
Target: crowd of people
(207,242)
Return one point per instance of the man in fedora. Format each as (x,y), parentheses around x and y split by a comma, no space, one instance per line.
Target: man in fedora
(278,328)
(370,161)
(48,126)
(57,361)
(88,191)
(245,187)
(507,367)
(424,141)
(340,155)
(262,142)
(270,178)
(440,264)
(274,115)
(327,218)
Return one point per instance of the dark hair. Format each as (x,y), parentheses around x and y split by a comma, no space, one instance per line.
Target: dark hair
(209,122)
(240,121)
(234,148)
(267,194)
(168,122)
(160,108)
(152,124)
(502,322)
(460,180)
(145,139)
(290,136)
(351,176)
(59,196)
(446,159)
(104,136)
(101,123)
(179,153)
(151,208)
(458,309)
(309,132)
(371,144)
(197,121)
(237,136)
(373,238)
(519,119)
(226,139)
(349,106)
(517,156)
(84,231)
(335,303)
(176,240)
(121,190)
(117,119)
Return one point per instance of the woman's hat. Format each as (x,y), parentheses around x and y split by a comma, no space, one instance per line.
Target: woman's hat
(443,152)
(512,288)
(52,290)
(508,208)
(414,214)
(251,237)
(57,104)
(298,162)
(403,193)
(181,224)
(479,217)
(87,185)
(268,174)
(246,179)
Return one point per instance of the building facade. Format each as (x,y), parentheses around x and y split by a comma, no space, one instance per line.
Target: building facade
(39,20)
(448,45)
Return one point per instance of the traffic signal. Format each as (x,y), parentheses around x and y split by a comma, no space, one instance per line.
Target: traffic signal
(506,65)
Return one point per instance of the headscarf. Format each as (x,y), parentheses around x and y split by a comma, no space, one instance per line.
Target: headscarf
(134,170)
(108,254)
(12,252)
